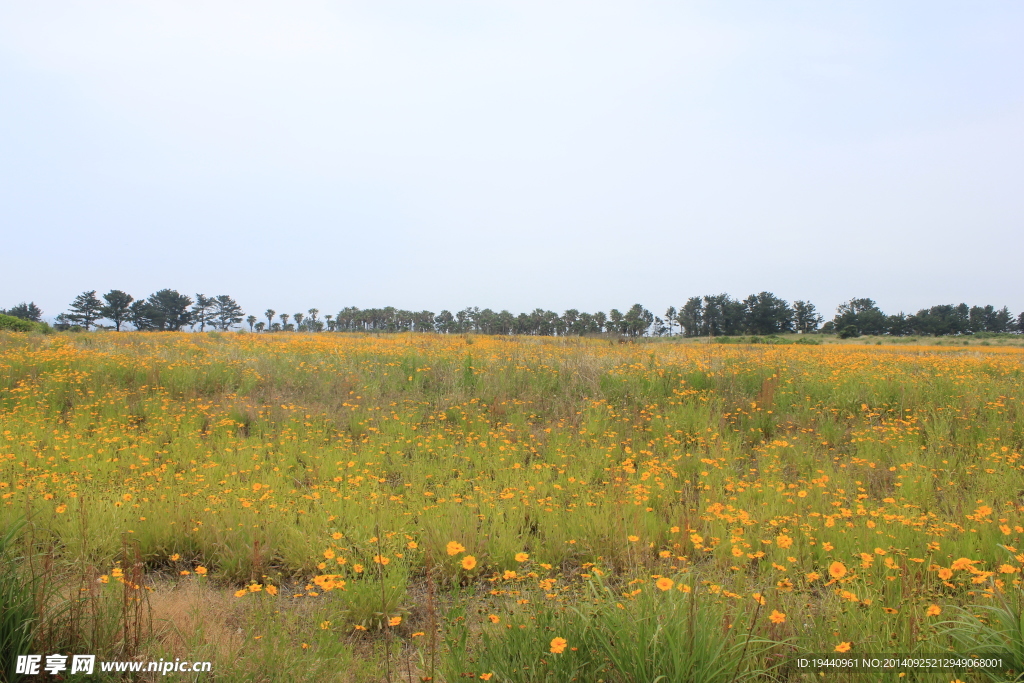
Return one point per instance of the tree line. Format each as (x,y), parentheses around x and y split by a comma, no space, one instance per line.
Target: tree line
(710,315)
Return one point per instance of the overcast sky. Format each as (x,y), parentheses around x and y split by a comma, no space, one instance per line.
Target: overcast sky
(512,155)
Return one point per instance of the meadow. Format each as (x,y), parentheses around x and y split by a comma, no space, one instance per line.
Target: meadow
(443,507)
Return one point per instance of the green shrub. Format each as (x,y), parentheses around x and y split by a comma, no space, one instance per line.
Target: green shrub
(9,322)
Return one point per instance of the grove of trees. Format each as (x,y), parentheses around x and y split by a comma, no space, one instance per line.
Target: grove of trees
(712,315)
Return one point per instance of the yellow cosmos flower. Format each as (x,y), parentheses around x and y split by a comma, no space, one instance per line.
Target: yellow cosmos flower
(558,645)
(454,548)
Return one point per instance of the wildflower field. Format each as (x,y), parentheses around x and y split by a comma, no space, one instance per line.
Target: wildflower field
(417,507)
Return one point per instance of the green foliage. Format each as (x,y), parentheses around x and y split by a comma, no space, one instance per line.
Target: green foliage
(995,631)
(12,324)
(25,311)
(117,307)
(849,332)
(17,604)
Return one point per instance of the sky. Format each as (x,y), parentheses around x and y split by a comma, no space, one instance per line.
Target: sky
(514,155)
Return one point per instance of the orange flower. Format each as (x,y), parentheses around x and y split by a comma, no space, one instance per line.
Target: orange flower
(945,573)
(558,645)
(468,562)
(394,621)
(777,617)
(665,583)
(522,557)
(843,647)
(201,570)
(272,590)
(454,548)
(933,611)
(837,570)
(494,618)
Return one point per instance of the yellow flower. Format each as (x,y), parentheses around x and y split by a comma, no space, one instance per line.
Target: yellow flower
(933,611)
(509,575)
(494,618)
(412,545)
(61,509)
(777,617)
(632,539)
(813,576)
(558,645)
(454,548)
(945,573)
(485,677)
(1007,569)
(175,557)
(380,559)
(394,621)
(357,568)
(837,570)
(329,554)
(665,583)
(758,598)
(522,557)
(240,593)
(843,647)
(272,590)
(324,625)
(783,541)
(468,562)
(201,570)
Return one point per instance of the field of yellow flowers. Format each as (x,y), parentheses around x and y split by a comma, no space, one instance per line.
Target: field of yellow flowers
(521,509)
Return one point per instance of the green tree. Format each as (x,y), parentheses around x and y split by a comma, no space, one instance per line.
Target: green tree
(862,314)
(142,316)
(615,323)
(766,313)
(637,320)
(270,313)
(226,312)
(202,311)
(805,317)
(670,318)
(691,317)
(117,307)
(25,311)
(168,310)
(252,322)
(85,309)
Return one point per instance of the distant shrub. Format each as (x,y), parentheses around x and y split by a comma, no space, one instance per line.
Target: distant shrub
(849,332)
(9,322)
(12,324)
